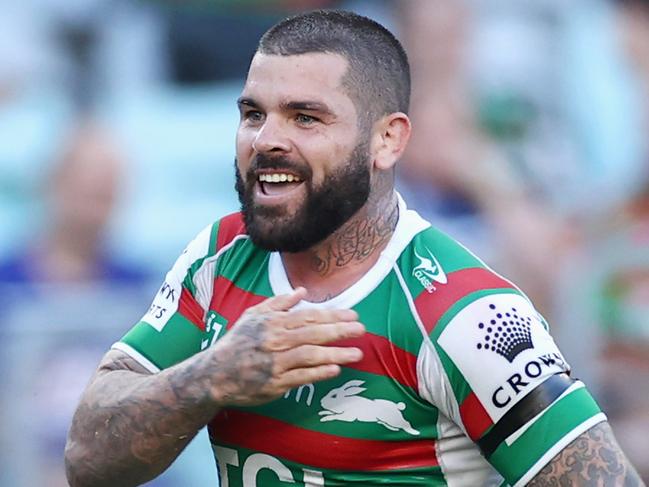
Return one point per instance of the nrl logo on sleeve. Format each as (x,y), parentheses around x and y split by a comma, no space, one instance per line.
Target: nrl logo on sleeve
(428,271)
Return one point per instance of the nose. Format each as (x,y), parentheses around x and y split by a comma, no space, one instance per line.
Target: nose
(271,137)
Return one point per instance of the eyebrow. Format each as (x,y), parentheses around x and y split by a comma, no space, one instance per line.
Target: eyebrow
(307,105)
(313,106)
(246,101)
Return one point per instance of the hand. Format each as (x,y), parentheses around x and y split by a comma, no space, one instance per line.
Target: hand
(273,348)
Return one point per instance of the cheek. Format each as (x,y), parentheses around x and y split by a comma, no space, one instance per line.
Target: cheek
(243,142)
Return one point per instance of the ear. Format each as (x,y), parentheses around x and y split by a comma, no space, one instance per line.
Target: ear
(391,134)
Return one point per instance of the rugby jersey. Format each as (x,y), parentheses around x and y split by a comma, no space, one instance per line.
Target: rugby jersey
(460,384)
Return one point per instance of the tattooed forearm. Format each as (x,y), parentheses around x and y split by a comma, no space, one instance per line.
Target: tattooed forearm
(130,426)
(593,459)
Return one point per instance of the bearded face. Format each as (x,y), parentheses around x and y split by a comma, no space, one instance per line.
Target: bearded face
(320,210)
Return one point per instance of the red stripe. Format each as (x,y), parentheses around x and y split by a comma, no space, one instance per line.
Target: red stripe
(382,357)
(190,309)
(475,418)
(432,306)
(229,227)
(319,450)
(231,301)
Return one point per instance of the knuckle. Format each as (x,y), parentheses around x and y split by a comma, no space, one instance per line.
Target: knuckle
(276,339)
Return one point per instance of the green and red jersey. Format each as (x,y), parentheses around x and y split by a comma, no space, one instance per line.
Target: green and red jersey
(460,384)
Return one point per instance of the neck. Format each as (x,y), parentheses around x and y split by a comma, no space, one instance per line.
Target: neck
(336,263)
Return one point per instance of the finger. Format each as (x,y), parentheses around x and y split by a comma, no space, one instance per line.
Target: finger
(299,377)
(279,338)
(283,302)
(314,356)
(303,317)
(323,334)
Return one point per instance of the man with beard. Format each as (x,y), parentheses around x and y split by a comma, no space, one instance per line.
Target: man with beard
(327,334)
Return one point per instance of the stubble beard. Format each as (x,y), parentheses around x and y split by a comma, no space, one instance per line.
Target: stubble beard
(325,208)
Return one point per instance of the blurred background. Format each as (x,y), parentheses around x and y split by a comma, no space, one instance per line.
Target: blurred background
(117,123)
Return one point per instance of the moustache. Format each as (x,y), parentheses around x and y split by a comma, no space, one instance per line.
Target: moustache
(278,163)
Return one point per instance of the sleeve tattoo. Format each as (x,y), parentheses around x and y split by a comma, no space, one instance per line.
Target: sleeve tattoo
(131,426)
(593,459)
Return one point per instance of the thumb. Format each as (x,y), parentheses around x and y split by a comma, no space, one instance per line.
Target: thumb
(284,302)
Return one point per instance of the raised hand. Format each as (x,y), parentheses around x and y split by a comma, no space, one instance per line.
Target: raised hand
(273,348)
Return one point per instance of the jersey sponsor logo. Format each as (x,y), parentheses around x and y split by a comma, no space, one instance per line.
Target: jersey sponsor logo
(514,362)
(429,271)
(228,462)
(344,404)
(507,332)
(310,388)
(518,381)
(164,305)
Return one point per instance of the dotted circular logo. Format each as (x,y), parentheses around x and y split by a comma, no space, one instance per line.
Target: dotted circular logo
(507,333)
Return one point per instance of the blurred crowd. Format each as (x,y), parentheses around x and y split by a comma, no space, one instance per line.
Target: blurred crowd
(117,123)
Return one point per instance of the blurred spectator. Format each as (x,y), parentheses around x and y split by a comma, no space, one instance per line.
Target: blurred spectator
(65,298)
(80,197)
(53,290)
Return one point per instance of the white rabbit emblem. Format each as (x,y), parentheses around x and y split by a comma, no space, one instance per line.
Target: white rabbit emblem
(344,404)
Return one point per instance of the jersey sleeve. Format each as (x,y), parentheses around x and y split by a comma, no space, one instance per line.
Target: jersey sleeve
(174,327)
(493,368)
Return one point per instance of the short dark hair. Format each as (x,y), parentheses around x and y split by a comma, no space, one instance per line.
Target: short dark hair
(378,78)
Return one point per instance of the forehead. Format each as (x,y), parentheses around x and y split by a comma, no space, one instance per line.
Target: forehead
(313,76)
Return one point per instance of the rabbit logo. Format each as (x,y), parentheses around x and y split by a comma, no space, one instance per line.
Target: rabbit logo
(344,404)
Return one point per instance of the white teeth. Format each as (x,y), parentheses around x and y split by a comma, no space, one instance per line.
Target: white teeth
(278,178)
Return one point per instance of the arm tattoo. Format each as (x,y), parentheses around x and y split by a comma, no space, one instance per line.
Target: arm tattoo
(593,459)
(130,425)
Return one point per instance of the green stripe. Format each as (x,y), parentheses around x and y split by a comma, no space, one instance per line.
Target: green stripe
(430,477)
(420,414)
(247,266)
(178,341)
(565,415)
(399,325)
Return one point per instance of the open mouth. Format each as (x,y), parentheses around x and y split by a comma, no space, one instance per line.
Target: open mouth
(278,184)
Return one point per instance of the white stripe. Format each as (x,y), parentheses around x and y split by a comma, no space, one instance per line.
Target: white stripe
(558,447)
(137,356)
(204,281)
(517,434)
(460,459)
(429,366)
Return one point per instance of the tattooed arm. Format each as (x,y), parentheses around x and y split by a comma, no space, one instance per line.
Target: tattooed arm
(130,425)
(593,459)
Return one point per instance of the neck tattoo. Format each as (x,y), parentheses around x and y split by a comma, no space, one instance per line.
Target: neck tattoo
(355,241)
